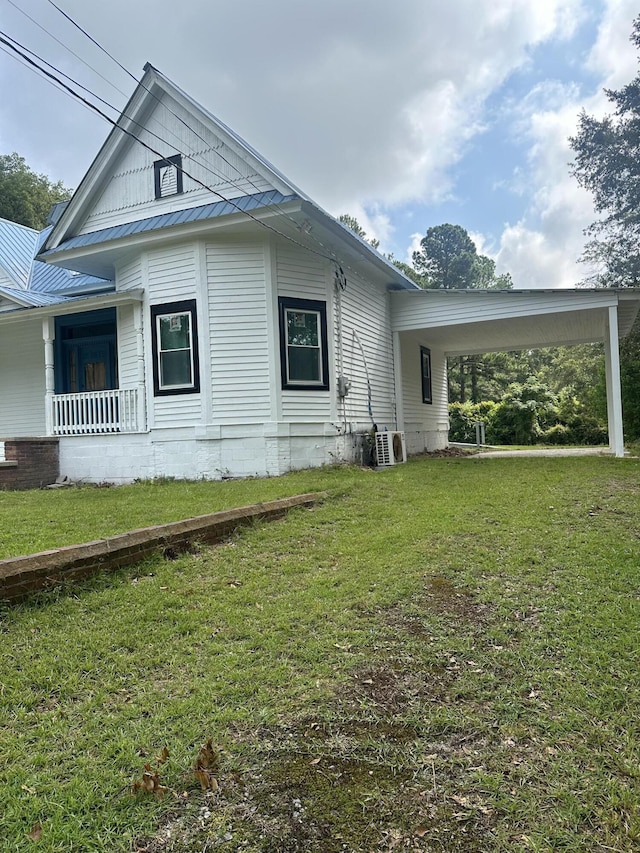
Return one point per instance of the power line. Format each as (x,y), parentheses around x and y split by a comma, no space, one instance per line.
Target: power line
(158,154)
(179,118)
(66,47)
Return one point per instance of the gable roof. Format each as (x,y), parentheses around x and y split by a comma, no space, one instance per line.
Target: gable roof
(130,126)
(71,234)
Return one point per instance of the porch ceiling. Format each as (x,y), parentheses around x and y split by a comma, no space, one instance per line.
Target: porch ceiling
(466,322)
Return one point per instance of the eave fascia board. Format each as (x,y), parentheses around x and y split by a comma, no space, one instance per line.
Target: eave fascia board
(73,306)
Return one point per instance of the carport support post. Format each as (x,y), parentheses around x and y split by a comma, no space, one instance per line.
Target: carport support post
(614,397)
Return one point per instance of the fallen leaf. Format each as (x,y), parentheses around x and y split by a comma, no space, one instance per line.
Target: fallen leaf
(316,761)
(28,789)
(163,755)
(207,780)
(36,832)
(150,783)
(421,831)
(207,758)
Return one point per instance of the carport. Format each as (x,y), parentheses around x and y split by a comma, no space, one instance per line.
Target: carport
(467,322)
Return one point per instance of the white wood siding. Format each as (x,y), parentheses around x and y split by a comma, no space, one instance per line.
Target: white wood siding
(171,276)
(130,191)
(239,342)
(365,311)
(172,273)
(129,276)
(22,392)
(303,275)
(127,348)
(427,415)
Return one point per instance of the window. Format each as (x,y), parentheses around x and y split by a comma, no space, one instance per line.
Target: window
(425,373)
(303,344)
(167,175)
(175,347)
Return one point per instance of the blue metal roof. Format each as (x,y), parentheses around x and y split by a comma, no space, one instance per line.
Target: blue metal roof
(27,298)
(245,203)
(34,283)
(17,248)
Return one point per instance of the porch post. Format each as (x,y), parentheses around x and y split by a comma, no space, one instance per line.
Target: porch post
(48,335)
(614,396)
(397,376)
(141,395)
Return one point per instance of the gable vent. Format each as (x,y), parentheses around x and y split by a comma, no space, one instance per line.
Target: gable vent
(168,176)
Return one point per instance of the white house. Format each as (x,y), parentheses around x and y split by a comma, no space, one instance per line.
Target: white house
(191,313)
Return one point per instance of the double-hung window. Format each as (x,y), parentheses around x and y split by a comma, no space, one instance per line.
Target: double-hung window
(175,347)
(303,344)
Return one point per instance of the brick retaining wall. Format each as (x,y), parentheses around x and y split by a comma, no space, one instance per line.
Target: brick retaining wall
(29,463)
(20,576)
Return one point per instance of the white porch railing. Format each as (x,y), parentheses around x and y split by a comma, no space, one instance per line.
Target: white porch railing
(95,412)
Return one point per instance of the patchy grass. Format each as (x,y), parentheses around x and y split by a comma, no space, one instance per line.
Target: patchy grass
(441,657)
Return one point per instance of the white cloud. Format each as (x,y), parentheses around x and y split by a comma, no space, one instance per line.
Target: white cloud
(360,102)
(541,249)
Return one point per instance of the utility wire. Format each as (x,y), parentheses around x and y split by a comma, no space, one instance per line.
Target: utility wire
(204,166)
(183,122)
(158,154)
(66,47)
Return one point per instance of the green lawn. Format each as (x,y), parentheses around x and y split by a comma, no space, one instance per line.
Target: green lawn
(440,657)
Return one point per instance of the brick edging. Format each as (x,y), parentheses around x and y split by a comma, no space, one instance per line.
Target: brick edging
(21,576)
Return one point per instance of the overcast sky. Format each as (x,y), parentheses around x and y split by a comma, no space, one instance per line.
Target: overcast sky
(404,113)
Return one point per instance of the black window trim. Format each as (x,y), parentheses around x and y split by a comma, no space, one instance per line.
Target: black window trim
(187,306)
(287,303)
(425,381)
(174,160)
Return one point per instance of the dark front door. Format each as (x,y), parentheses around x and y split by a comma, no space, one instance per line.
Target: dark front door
(88,365)
(86,352)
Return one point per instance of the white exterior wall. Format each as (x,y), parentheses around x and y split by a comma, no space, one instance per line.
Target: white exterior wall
(22,392)
(239,352)
(171,274)
(362,320)
(426,425)
(127,346)
(302,275)
(243,423)
(129,276)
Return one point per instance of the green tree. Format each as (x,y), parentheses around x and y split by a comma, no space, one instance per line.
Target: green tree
(607,164)
(26,197)
(446,258)
(353,225)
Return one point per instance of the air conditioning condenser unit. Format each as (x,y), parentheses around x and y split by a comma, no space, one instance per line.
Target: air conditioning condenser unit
(391,448)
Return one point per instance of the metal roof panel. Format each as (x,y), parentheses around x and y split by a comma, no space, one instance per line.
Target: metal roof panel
(166,220)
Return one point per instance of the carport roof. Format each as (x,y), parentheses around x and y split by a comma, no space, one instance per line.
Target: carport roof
(474,321)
